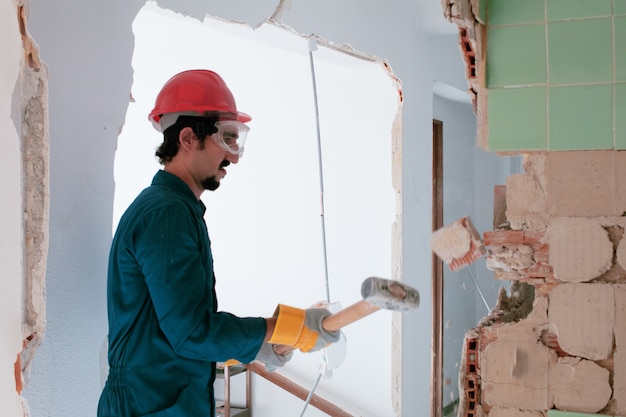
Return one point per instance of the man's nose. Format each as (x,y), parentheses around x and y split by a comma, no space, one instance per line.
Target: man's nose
(232,158)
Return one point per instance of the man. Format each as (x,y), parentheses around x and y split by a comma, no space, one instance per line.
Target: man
(165,331)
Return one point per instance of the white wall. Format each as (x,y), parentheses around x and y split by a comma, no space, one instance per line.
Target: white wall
(11,220)
(88,47)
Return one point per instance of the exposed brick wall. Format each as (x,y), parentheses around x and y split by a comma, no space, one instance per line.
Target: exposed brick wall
(568,352)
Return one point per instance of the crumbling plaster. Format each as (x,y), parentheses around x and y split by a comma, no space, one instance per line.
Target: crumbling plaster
(25,207)
(11,253)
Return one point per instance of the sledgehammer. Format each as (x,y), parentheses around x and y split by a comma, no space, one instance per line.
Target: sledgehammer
(377,293)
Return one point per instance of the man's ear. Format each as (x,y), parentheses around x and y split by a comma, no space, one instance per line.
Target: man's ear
(185,137)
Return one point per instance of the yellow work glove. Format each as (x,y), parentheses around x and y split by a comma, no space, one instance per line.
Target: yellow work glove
(302,329)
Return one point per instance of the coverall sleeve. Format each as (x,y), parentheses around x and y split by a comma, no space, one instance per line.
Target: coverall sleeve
(173,251)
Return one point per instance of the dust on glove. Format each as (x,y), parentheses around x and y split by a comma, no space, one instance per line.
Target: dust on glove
(271,359)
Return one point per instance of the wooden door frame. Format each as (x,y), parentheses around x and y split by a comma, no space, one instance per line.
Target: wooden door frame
(436,409)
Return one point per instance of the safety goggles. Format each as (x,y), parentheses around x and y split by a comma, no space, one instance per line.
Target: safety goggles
(231,135)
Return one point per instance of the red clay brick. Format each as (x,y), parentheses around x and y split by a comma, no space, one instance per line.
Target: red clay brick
(512,237)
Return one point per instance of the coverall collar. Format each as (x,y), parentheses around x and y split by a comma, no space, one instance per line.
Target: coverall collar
(172,181)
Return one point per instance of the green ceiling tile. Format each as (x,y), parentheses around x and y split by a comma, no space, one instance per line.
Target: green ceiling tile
(507,12)
(517,118)
(581,117)
(620,49)
(580,51)
(516,55)
(576,9)
(620,116)
(619,7)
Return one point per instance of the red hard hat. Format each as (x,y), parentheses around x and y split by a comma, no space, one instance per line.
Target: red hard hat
(194,92)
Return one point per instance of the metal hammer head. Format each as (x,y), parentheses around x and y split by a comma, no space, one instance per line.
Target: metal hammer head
(389,294)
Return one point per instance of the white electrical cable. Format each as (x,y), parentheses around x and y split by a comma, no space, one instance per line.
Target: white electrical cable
(313,47)
(479,290)
(308,398)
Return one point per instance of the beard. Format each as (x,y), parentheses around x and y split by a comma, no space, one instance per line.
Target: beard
(210,183)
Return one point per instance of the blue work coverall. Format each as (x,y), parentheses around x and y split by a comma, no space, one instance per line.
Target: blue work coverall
(165,333)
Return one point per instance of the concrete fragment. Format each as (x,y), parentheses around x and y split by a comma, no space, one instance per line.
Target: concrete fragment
(578,384)
(451,242)
(514,375)
(594,188)
(584,317)
(579,249)
(525,203)
(458,244)
(510,258)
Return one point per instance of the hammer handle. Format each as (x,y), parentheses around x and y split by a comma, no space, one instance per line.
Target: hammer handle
(338,320)
(349,315)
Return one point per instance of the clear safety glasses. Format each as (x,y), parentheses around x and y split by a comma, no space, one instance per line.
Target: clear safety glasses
(231,135)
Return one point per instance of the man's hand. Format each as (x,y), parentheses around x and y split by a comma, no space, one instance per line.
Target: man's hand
(302,329)
(273,357)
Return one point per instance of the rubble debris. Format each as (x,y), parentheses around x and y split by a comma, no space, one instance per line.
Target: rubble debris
(457,244)
(519,304)
(519,255)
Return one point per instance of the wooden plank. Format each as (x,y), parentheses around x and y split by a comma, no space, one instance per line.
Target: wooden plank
(297,390)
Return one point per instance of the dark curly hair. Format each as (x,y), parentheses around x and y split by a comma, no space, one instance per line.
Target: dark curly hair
(201,126)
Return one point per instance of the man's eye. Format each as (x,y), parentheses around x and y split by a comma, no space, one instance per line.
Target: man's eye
(230,139)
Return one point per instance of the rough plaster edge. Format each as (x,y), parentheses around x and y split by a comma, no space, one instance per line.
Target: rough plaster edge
(396,263)
(472,40)
(282,7)
(32,99)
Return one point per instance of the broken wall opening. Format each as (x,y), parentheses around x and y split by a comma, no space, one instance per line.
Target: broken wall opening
(564,217)
(264,222)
